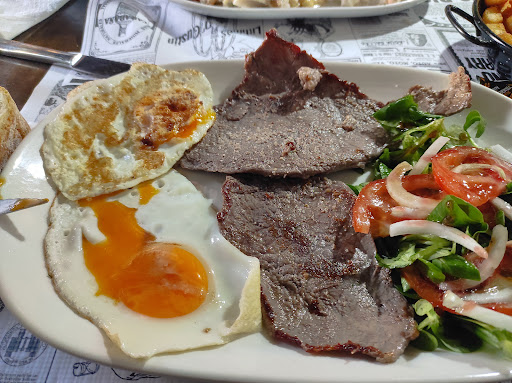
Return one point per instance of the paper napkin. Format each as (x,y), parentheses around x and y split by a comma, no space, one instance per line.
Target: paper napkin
(17,16)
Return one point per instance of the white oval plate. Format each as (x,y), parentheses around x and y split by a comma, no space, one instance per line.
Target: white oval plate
(292,13)
(27,291)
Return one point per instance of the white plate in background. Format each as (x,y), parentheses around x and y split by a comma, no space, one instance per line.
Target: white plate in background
(294,13)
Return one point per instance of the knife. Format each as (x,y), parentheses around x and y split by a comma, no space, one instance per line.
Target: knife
(10,205)
(72,60)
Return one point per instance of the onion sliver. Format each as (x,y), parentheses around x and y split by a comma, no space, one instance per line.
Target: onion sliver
(492,296)
(463,168)
(434,228)
(501,152)
(504,206)
(402,196)
(496,252)
(431,151)
(403,212)
(472,310)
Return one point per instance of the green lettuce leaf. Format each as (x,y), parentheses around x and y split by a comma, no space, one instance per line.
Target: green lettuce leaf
(410,248)
(431,271)
(461,136)
(409,146)
(498,339)
(402,114)
(413,131)
(357,188)
(474,117)
(455,212)
(457,266)
(444,332)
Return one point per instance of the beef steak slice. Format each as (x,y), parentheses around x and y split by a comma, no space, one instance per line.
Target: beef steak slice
(456,97)
(289,117)
(321,286)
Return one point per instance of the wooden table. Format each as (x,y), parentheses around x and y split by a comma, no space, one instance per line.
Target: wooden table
(63,30)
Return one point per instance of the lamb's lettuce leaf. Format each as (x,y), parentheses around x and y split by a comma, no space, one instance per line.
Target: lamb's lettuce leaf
(457,267)
(474,118)
(455,212)
(437,331)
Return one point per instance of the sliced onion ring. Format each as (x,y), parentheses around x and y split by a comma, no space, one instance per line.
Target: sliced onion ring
(402,196)
(463,168)
(434,228)
(477,312)
(431,151)
(501,152)
(504,206)
(496,252)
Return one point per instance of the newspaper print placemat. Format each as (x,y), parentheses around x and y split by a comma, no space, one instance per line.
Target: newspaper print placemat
(160,32)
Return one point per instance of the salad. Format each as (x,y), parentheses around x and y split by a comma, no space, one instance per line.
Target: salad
(438,212)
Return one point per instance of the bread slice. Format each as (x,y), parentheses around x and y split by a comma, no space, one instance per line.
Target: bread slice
(13,127)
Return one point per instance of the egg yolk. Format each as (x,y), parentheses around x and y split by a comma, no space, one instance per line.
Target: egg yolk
(146,192)
(157,279)
(199,119)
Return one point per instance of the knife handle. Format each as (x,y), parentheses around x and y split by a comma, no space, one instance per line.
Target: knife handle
(34,53)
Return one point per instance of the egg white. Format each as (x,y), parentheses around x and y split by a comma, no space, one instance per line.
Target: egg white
(177,214)
(72,144)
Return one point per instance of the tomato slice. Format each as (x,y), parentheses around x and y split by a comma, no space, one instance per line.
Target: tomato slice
(489,212)
(424,287)
(502,278)
(477,186)
(372,210)
(432,293)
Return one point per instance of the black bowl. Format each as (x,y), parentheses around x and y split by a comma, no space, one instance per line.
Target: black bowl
(499,51)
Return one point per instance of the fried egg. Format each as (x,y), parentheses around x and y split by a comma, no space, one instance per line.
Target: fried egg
(149,267)
(114,133)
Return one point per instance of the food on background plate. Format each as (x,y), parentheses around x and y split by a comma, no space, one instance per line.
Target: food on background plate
(296,3)
(498,18)
(149,267)
(322,288)
(440,223)
(115,133)
(13,127)
(289,117)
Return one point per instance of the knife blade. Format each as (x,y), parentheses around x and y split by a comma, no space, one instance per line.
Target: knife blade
(87,64)
(11,205)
